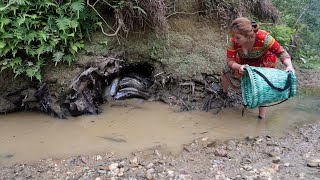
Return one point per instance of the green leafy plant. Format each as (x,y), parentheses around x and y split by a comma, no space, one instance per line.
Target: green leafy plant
(283,34)
(36,32)
(303,16)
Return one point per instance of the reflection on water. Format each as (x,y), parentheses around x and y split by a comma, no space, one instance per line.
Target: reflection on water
(31,136)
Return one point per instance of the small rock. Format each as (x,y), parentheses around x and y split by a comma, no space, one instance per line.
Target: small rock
(134,161)
(18,169)
(262,178)
(274,154)
(149,173)
(157,153)
(265,174)
(120,174)
(275,167)
(102,172)
(249,138)
(84,160)
(113,166)
(99,158)
(314,163)
(98,178)
(170,172)
(184,177)
(205,139)
(187,148)
(204,142)
(276,159)
(301,175)
(121,170)
(271,170)
(116,171)
(286,164)
(247,167)
(231,143)
(150,165)
(212,144)
(220,152)
(230,148)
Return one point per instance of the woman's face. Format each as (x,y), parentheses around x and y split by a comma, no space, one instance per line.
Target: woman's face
(240,39)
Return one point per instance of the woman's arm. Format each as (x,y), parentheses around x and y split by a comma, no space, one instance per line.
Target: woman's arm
(279,51)
(288,63)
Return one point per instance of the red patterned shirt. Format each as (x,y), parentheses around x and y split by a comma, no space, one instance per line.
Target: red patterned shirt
(264,53)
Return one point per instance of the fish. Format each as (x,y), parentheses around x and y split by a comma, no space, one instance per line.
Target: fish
(113,139)
(131,82)
(114,86)
(130,92)
(146,81)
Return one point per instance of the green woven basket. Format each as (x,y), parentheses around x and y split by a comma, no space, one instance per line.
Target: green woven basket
(262,86)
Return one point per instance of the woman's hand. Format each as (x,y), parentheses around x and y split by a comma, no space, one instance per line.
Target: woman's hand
(290,68)
(241,69)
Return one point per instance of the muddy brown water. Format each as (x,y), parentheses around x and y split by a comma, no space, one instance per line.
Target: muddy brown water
(28,137)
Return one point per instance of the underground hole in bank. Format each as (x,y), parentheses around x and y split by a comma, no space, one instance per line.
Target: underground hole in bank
(131,82)
(115,82)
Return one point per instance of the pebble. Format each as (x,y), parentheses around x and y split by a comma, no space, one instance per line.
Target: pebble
(220,152)
(134,161)
(116,171)
(149,173)
(249,138)
(170,172)
(265,174)
(113,166)
(184,177)
(150,165)
(286,164)
(314,163)
(231,143)
(276,159)
(274,154)
(121,172)
(102,171)
(301,175)
(84,160)
(204,142)
(247,167)
(230,148)
(99,158)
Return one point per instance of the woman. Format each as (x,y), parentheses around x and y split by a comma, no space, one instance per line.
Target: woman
(254,47)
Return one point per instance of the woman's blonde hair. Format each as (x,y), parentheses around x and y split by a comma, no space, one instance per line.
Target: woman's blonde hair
(245,27)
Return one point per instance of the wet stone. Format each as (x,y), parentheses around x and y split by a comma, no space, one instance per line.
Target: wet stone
(231,143)
(310,164)
(301,175)
(274,154)
(249,138)
(184,177)
(230,148)
(220,152)
(276,159)
(102,171)
(113,166)
(149,173)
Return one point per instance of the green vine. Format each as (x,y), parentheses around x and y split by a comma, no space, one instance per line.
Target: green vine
(36,32)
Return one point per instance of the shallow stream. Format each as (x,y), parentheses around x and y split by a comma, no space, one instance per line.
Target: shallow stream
(130,126)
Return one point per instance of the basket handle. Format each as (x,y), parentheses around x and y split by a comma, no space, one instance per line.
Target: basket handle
(287,86)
